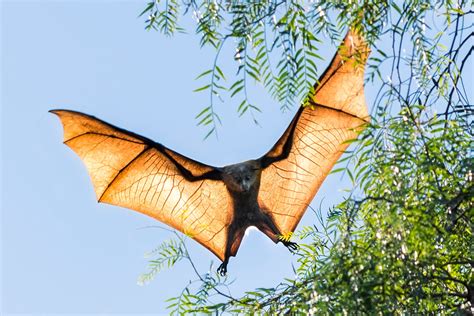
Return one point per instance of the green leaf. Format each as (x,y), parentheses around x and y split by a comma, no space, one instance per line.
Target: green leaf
(147,8)
(220,72)
(202,88)
(205,73)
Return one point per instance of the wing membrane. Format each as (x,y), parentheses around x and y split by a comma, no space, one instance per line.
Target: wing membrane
(131,171)
(317,137)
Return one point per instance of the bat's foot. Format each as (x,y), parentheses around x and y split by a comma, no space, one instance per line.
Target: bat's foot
(292,246)
(222,270)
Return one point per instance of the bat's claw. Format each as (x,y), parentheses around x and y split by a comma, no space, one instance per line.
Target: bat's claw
(292,246)
(222,270)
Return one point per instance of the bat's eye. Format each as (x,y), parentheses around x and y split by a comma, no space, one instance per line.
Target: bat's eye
(247,178)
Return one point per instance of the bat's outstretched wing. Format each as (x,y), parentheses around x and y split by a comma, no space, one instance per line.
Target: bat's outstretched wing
(135,172)
(298,163)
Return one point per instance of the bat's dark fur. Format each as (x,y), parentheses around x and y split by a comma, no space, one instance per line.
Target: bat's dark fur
(243,183)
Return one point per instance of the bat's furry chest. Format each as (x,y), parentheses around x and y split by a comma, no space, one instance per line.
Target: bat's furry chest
(245,205)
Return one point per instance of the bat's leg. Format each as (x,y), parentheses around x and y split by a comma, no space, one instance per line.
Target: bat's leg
(234,238)
(268,227)
(222,270)
(292,246)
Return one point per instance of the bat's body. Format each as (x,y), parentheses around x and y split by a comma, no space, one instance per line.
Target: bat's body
(242,181)
(215,205)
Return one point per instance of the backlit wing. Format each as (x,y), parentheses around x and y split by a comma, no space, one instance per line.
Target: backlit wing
(300,161)
(132,171)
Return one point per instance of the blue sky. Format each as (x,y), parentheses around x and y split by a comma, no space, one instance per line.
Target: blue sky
(62,252)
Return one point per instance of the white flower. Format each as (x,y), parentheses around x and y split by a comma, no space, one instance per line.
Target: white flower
(321,12)
(404,249)
(469,176)
(197,15)
(378,234)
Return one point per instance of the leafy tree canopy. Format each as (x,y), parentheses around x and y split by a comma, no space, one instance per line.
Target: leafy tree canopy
(402,241)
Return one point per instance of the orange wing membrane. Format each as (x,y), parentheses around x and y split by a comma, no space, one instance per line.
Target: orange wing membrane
(132,171)
(296,166)
(212,205)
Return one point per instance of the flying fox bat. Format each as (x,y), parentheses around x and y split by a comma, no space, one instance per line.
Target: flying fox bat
(215,205)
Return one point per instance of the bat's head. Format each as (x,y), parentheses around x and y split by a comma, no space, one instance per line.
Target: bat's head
(242,177)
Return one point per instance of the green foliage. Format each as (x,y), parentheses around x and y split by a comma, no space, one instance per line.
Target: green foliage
(276,44)
(402,241)
(406,246)
(163,19)
(166,255)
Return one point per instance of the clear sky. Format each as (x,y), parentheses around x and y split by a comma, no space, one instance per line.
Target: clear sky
(62,252)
